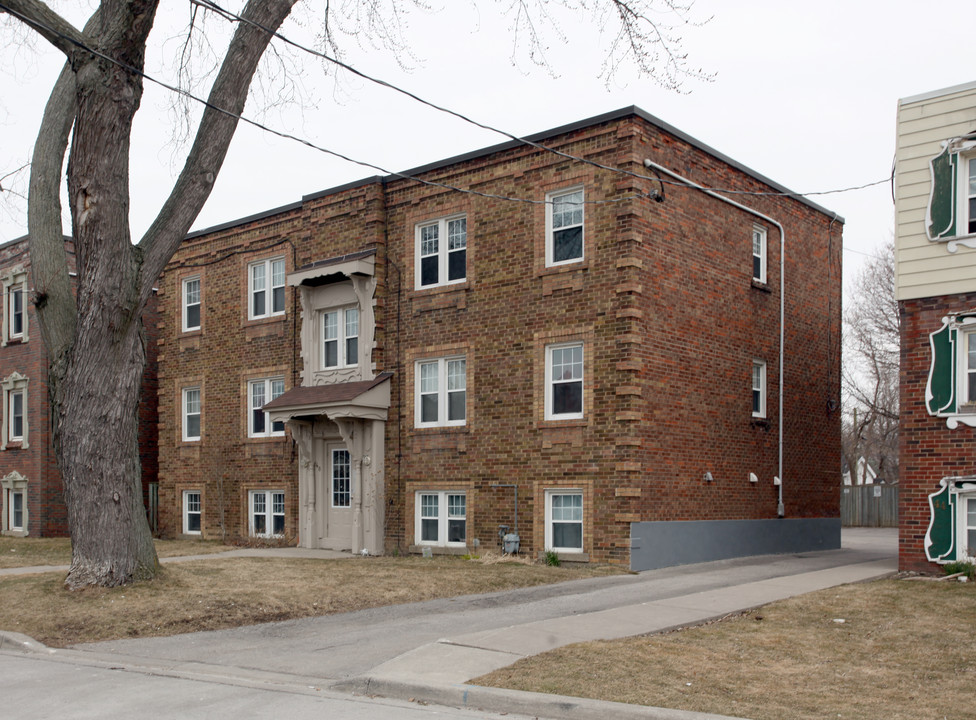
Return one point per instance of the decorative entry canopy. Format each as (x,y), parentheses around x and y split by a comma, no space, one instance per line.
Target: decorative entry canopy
(365,399)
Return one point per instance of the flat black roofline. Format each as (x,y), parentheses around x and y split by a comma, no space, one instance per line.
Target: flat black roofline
(511,144)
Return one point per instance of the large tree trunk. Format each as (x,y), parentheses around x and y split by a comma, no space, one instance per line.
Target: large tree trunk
(93,331)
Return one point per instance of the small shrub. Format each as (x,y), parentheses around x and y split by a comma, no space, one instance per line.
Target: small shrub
(551,558)
(966,567)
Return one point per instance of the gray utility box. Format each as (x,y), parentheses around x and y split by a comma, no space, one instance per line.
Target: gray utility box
(510,543)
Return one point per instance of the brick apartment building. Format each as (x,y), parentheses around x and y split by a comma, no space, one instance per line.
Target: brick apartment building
(936,290)
(31,498)
(513,343)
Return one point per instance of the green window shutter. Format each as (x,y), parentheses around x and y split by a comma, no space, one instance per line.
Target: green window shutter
(942,197)
(939,395)
(939,539)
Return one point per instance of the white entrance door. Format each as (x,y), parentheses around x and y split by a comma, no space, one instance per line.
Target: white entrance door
(337,498)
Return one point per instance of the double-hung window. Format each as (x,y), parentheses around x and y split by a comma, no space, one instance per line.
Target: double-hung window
(442,248)
(259,393)
(267,513)
(191,413)
(564,381)
(952,199)
(192,512)
(564,227)
(266,288)
(16,424)
(15,299)
(340,468)
(15,520)
(441,392)
(758,389)
(759,254)
(951,388)
(191,304)
(340,338)
(441,518)
(564,520)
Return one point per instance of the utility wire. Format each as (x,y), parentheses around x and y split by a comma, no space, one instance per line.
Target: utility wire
(232,16)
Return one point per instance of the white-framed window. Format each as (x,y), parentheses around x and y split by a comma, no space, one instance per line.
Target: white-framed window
(14,411)
(192,512)
(759,253)
(968,548)
(564,227)
(441,518)
(16,424)
(340,338)
(758,389)
(14,323)
(442,249)
(441,392)
(967,367)
(266,288)
(14,499)
(266,513)
(16,305)
(564,520)
(191,413)
(191,304)
(340,469)
(564,381)
(259,393)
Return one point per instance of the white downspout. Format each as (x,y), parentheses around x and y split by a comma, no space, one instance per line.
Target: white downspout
(780,508)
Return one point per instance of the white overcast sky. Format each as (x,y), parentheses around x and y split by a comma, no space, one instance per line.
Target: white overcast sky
(804,93)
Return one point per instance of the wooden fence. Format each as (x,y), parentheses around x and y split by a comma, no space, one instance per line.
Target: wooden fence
(869,505)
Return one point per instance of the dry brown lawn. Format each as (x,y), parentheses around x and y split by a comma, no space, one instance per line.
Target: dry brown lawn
(229,592)
(28,552)
(904,651)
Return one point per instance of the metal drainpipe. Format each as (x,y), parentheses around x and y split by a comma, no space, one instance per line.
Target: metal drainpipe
(780,507)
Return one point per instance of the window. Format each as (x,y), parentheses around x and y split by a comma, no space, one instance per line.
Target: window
(564,227)
(341,471)
(759,254)
(16,424)
(952,196)
(564,382)
(14,411)
(442,248)
(191,413)
(951,388)
(564,520)
(191,304)
(441,392)
(970,529)
(259,393)
(192,512)
(14,520)
(340,338)
(441,518)
(758,389)
(15,305)
(266,285)
(267,513)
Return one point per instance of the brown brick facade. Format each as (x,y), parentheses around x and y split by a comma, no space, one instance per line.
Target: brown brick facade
(662,304)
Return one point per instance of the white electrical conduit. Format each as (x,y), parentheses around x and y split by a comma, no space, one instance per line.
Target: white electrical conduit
(780,508)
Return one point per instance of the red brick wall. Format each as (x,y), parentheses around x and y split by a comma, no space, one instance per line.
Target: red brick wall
(663,302)
(927,449)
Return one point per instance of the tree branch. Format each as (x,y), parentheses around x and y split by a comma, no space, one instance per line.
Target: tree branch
(48,24)
(217,127)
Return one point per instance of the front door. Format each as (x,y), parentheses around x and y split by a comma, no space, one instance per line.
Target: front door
(337,505)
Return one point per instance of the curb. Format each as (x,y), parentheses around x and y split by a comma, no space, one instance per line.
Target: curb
(515,701)
(23,643)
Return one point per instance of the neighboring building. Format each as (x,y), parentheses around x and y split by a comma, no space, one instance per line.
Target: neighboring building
(935,188)
(586,357)
(864,474)
(31,496)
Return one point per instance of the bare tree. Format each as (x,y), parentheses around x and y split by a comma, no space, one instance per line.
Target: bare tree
(92,330)
(871,362)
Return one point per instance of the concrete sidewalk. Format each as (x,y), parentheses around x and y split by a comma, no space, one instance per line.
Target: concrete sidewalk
(428,651)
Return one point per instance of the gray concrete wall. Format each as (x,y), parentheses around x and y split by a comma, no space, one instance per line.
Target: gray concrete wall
(663,544)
